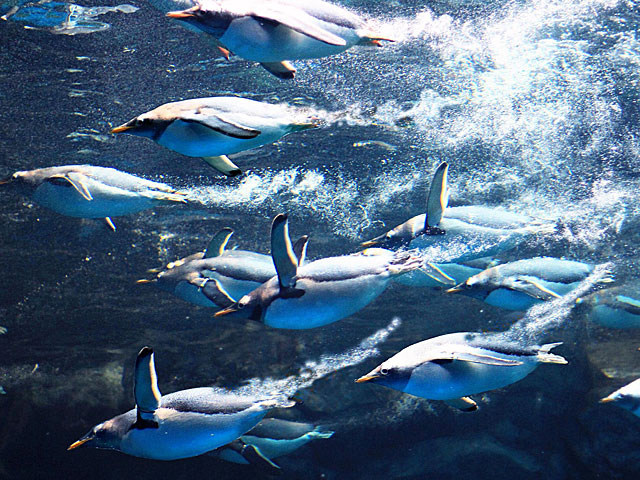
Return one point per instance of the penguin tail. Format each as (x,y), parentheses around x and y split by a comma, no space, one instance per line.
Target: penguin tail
(542,229)
(163,197)
(545,355)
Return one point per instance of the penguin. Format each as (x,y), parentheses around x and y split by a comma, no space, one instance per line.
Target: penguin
(320,292)
(521,284)
(179,425)
(274,437)
(459,234)
(272,32)
(451,367)
(214,127)
(615,307)
(219,277)
(627,397)
(87,191)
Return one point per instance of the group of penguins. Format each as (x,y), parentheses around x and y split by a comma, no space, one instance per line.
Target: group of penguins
(283,289)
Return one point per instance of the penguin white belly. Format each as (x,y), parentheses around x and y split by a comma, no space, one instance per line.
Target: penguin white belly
(265,42)
(459,379)
(195,140)
(613,317)
(324,302)
(192,294)
(511,300)
(188,434)
(107,201)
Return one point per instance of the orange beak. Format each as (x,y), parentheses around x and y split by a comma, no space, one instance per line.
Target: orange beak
(121,128)
(77,444)
(181,14)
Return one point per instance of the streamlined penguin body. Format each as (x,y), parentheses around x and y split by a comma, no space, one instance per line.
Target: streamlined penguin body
(214,127)
(87,191)
(616,307)
(459,234)
(179,425)
(274,31)
(274,437)
(521,284)
(627,397)
(322,291)
(453,366)
(217,276)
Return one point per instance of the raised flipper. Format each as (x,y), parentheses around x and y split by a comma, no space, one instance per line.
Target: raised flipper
(218,243)
(532,288)
(145,390)
(211,118)
(284,259)
(224,165)
(283,70)
(437,200)
(75,180)
(464,404)
(254,456)
(300,249)
(110,223)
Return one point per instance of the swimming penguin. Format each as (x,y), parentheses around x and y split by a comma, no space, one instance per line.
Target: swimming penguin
(459,234)
(521,284)
(274,437)
(616,307)
(451,367)
(319,292)
(86,191)
(272,32)
(179,425)
(217,276)
(214,127)
(627,397)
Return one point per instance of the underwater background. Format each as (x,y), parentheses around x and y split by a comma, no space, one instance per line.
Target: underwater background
(534,105)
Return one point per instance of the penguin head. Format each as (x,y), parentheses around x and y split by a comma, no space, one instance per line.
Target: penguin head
(145,125)
(474,286)
(250,307)
(104,435)
(211,18)
(623,400)
(390,374)
(23,182)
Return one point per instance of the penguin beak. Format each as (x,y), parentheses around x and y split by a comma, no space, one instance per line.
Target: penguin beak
(608,399)
(456,289)
(143,281)
(6,180)
(181,14)
(79,443)
(226,311)
(122,128)
(368,377)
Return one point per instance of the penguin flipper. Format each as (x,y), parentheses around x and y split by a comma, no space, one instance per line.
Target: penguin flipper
(629,304)
(211,118)
(438,198)
(433,271)
(254,456)
(464,404)
(223,164)
(474,357)
(145,389)
(218,243)
(214,291)
(532,288)
(110,223)
(283,70)
(296,19)
(300,249)
(75,180)
(282,253)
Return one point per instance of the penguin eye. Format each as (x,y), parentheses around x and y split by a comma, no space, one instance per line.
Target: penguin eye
(384,371)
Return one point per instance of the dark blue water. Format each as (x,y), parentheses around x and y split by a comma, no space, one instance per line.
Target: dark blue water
(535,106)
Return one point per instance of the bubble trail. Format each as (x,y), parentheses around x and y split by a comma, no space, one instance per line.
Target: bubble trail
(541,318)
(315,370)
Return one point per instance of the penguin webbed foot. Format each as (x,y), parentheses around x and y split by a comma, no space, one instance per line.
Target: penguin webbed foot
(255,457)
(433,231)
